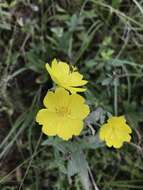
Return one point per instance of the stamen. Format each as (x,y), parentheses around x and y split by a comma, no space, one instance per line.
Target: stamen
(63,111)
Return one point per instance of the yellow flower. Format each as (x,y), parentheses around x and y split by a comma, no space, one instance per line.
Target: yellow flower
(63,115)
(115,132)
(65,77)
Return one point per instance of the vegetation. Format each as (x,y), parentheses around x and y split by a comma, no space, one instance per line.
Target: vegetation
(104,40)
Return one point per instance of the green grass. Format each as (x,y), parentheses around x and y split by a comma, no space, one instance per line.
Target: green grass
(104,39)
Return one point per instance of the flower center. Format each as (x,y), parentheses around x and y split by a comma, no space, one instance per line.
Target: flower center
(63,111)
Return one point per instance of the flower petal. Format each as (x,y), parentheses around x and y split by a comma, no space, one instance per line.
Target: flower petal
(63,68)
(52,73)
(69,127)
(49,120)
(75,90)
(53,100)
(41,117)
(76,79)
(77,107)
(104,132)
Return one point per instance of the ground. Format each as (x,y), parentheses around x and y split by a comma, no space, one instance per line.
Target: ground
(104,40)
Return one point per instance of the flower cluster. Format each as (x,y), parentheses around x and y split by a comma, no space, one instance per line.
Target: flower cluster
(65,110)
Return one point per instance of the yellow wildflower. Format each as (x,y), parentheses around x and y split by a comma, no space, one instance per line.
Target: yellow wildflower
(115,132)
(63,115)
(65,77)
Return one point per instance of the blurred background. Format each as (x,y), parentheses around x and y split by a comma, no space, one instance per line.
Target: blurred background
(104,40)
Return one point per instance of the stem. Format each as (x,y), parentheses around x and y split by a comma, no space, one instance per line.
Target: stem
(92,179)
(30,162)
(116,96)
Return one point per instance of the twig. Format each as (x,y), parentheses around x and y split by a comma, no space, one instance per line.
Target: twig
(30,162)
(92,179)
(116,96)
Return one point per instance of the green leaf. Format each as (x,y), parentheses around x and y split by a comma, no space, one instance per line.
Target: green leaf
(78,165)
(91,142)
(97,115)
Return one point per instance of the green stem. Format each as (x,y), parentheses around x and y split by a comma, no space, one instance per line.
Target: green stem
(116,96)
